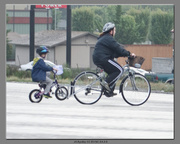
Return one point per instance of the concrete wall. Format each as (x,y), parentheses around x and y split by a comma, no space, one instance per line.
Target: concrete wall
(22,55)
(60,54)
(162,65)
(86,39)
(80,52)
(80,57)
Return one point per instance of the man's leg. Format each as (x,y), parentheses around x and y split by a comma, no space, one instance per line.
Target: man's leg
(114,71)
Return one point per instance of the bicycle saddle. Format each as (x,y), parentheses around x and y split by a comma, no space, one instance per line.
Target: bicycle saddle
(99,69)
(42,85)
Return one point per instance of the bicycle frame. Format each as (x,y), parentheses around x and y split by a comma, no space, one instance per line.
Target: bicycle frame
(55,83)
(71,87)
(130,73)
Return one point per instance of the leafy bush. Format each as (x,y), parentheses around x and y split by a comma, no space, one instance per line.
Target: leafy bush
(13,71)
(161,26)
(126,29)
(72,73)
(142,19)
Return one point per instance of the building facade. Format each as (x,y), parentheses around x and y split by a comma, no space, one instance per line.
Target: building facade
(19,20)
(82,46)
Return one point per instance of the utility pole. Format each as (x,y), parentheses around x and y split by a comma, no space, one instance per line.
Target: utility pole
(47,18)
(68,36)
(31,36)
(13,18)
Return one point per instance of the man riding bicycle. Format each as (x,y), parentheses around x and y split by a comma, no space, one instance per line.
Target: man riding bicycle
(106,49)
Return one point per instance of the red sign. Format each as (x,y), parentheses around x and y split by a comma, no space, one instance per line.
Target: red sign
(51,6)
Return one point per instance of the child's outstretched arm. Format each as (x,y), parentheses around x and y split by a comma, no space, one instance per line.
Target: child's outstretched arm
(44,66)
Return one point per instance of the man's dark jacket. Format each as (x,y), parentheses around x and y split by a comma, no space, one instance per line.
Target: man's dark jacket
(108,48)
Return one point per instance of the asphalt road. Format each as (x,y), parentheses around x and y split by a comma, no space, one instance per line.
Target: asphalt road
(109,118)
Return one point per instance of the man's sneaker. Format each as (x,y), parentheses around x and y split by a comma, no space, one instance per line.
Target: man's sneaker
(105,84)
(109,94)
(47,95)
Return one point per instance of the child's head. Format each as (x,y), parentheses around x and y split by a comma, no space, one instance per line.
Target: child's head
(42,51)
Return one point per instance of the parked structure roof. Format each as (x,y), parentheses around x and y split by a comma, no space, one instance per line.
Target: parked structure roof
(13,36)
(49,38)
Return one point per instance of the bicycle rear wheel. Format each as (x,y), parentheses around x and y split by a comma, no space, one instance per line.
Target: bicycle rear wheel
(35,96)
(135,89)
(87,88)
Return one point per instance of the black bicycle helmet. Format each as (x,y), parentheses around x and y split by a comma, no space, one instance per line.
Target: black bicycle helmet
(42,50)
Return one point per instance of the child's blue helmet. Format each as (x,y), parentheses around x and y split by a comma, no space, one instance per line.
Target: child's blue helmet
(42,50)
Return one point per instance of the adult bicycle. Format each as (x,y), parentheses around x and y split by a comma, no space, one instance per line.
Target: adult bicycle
(36,95)
(88,88)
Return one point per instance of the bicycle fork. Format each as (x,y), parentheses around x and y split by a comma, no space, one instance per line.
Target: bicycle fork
(133,83)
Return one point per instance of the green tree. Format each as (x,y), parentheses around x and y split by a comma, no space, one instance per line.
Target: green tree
(98,23)
(142,19)
(8,46)
(161,25)
(118,14)
(110,13)
(99,14)
(83,19)
(126,29)
(117,22)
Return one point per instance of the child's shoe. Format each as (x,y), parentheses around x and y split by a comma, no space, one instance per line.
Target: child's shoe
(47,95)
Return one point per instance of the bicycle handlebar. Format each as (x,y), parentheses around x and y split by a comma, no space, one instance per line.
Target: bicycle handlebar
(131,57)
(54,72)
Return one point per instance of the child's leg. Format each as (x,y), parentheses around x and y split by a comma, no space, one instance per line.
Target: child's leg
(48,74)
(48,83)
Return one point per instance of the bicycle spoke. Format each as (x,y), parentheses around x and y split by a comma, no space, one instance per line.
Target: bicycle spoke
(136,89)
(35,96)
(87,88)
(61,93)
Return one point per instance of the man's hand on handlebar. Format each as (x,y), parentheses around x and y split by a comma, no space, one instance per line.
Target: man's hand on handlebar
(133,55)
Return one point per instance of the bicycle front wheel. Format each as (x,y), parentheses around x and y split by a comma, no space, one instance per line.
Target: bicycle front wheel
(135,89)
(87,88)
(61,93)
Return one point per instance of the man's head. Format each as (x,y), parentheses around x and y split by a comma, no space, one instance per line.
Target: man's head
(109,28)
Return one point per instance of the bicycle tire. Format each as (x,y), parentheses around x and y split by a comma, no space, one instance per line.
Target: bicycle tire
(138,94)
(91,92)
(34,96)
(61,93)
